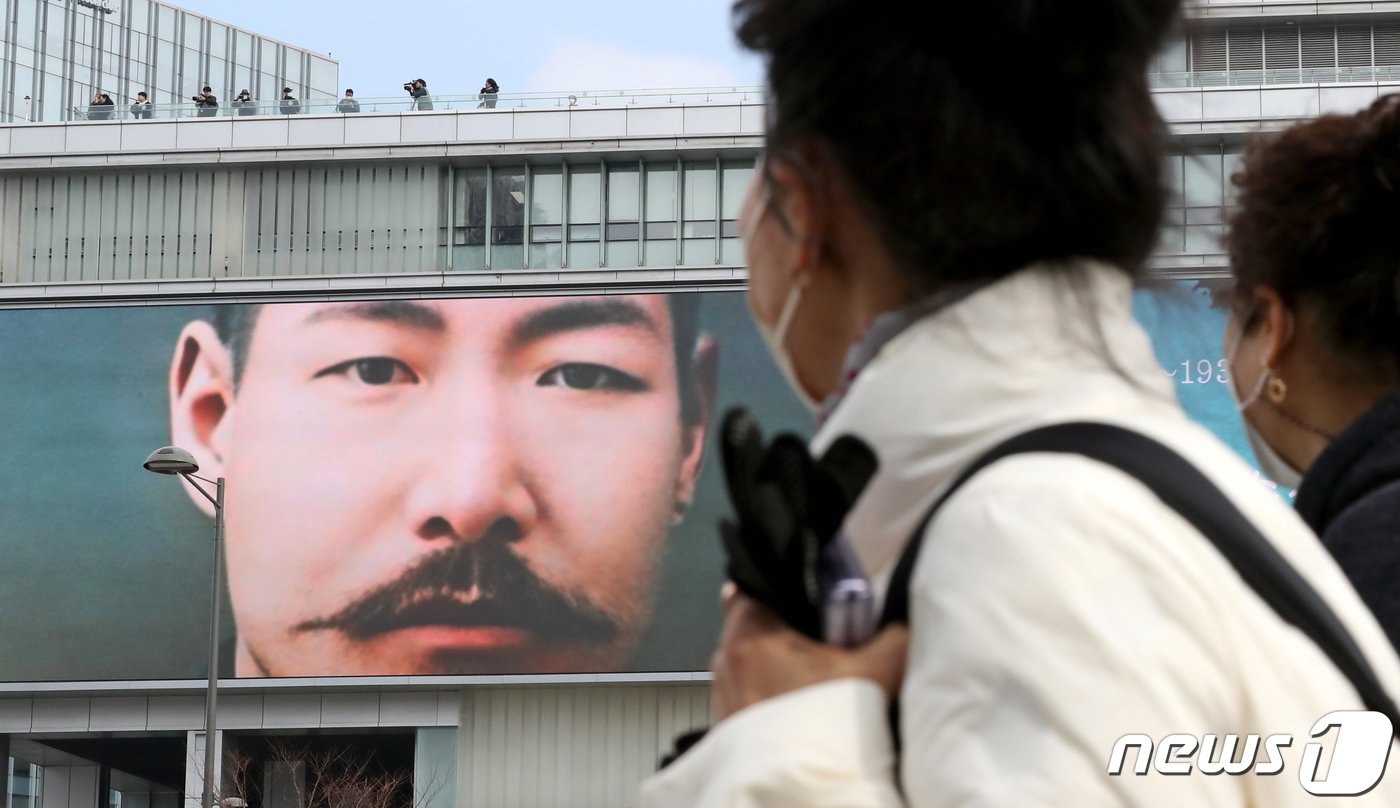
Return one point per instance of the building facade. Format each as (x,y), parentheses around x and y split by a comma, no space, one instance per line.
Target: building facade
(57,54)
(550,198)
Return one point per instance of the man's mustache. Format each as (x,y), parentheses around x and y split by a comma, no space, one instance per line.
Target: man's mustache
(471,584)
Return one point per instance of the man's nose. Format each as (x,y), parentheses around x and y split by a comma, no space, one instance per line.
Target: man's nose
(472,486)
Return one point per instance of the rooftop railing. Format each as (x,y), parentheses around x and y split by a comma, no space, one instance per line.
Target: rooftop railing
(1287,75)
(231,107)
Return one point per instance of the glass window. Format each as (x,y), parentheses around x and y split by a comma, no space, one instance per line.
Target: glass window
(624,204)
(700,209)
(165,56)
(661,192)
(546,217)
(585,215)
(24,86)
(734,184)
(1171,240)
(140,12)
(294,73)
(1172,59)
(585,195)
(547,195)
(25,58)
(508,218)
(1171,179)
(218,41)
(701,195)
(1202,179)
(165,23)
(1204,238)
(621,253)
(1233,163)
(269,88)
(82,55)
(82,31)
(324,75)
(55,32)
(661,204)
(27,24)
(219,79)
(623,193)
(469,220)
(52,98)
(191,75)
(243,48)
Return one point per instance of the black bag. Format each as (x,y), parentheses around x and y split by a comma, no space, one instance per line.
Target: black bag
(1184,489)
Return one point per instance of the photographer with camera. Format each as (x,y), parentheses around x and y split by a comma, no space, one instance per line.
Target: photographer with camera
(418,89)
(206,103)
(245,103)
(289,104)
(101,108)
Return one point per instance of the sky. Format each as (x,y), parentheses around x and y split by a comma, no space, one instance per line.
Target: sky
(526,45)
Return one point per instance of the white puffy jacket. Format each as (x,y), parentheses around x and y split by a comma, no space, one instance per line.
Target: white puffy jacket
(1057,604)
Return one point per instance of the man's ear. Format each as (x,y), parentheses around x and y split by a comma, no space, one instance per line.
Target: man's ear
(201,401)
(705,381)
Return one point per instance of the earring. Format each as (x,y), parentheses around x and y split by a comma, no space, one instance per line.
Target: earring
(1277,390)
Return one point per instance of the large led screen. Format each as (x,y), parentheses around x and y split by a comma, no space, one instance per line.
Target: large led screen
(457,486)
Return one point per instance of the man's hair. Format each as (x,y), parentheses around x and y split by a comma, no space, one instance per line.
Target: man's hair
(349,91)
(965,179)
(1315,204)
(208,90)
(234,325)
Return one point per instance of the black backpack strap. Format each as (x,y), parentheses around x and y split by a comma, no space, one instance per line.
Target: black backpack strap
(1184,489)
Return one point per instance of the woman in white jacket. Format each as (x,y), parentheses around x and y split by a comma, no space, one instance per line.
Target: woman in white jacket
(945,267)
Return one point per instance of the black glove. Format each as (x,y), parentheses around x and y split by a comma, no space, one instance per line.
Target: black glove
(787,507)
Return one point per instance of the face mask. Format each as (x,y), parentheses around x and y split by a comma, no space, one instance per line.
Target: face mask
(1272,466)
(775,336)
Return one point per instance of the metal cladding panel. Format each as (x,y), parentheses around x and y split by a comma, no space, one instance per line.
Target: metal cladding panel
(570,747)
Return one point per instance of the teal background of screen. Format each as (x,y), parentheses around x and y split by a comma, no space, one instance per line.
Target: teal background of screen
(104,568)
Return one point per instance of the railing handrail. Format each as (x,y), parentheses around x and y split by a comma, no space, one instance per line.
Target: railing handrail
(1266,76)
(231,107)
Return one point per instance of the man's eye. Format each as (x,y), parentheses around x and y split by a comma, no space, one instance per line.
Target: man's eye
(588,376)
(375,371)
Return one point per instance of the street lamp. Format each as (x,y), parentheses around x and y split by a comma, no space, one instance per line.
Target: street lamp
(174,460)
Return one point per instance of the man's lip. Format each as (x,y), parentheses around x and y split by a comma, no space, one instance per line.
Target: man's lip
(466,616)
(462,637)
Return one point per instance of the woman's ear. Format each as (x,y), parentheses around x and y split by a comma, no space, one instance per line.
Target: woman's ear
(1275,322)
(201,400)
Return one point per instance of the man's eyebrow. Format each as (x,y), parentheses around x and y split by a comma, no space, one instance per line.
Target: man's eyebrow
(579,315)
(396,312)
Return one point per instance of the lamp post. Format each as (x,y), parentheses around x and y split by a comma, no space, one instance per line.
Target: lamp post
(174,460)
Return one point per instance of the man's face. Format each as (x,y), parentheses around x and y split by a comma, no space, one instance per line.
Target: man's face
(449,486)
